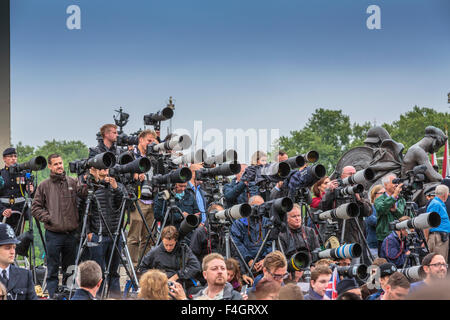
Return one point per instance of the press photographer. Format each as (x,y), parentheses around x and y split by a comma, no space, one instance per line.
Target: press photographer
(249,233)
(109,195)
(394,246)
(298,237)
(138,233)
(107,142)
(236,192)
(184,204)
(174,258)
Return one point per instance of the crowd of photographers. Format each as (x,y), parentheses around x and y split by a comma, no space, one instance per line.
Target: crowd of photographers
(182,230)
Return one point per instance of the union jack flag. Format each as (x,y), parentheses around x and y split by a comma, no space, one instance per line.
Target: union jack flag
(331,292)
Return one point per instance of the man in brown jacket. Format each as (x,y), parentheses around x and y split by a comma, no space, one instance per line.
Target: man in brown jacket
(55,204)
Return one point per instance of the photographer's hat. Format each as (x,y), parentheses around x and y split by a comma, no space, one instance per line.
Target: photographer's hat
(386,269)
(9,151)
(346,284)
(7,235)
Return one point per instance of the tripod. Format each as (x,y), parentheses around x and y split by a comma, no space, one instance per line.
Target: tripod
(228,241)
(301,198)
(170,208)
(414,245)
(26,213)
(271,227)
(411,212)
(84,239)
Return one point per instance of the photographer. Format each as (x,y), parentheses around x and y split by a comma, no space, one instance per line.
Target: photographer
(196,187)
(274,269)
(332,200)
(248,234)
(137,234)
(204,242)
(168,257)
(259,159)
(184,200)
(298,237)
(393,248)
(236,192)
(108,141)
(389,207)
(11,195)
(109,196)
(437,239)
(55,204)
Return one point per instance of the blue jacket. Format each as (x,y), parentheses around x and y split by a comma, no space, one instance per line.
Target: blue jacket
(249,247)
(371,226)
(376,295)
(186,204)
(20,284)
(437,205)
(235,193)
(393,250)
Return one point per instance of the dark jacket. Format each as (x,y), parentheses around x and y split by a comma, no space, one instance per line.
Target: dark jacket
(393,250)
(294,240)
(110,200)
(20,284)
(186,204)
(171,262)
(228,293)
(100,148)
(200,245)
(55,203)
(235,193)
(248,246)
(11,190)
(81,294)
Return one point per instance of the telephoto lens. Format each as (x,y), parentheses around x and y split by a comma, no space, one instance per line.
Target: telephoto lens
(344,211)
(422,221)
(360,177)
(237,211)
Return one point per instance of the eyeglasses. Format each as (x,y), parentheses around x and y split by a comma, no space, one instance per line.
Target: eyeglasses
(278,276)
(438,265)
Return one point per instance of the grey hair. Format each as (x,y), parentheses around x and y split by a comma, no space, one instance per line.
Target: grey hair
(441,190)
(386,179)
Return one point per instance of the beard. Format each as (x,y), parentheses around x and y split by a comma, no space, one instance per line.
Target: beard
(220,280)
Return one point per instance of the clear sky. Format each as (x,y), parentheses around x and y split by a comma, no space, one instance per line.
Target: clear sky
(232,64)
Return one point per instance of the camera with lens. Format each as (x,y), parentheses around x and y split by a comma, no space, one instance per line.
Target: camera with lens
(236,212)
(351,250)
(180,175)
(103,160)
(413,181)
(124,140)
(154,119)
(34,164)
(422,221)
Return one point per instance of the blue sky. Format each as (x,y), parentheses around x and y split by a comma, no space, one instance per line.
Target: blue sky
(232,64)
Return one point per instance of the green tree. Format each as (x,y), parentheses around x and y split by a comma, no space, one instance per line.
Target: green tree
(329,132)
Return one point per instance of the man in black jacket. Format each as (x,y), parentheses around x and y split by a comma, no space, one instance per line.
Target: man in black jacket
(298,237)
(17,281)
(168,257)
(109,196)
(108,141)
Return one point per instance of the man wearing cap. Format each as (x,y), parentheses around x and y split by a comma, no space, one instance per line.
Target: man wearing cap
(385,271)
(18,281)
(393,248)
(348,285)
(11,196)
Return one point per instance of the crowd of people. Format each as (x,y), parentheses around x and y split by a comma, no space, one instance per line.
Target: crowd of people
(236,259)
